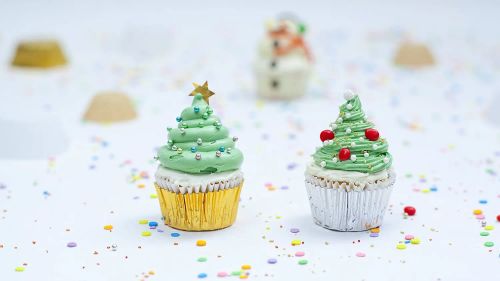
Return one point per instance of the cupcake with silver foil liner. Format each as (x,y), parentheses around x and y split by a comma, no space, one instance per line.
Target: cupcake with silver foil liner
(199,179)
(350,179)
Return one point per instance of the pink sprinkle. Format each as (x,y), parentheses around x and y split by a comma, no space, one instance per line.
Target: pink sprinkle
(222,274)
(360,254)
(480,217)
(300,254)
(409,237)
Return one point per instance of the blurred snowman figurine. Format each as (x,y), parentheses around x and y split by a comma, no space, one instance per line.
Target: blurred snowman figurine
(284,61)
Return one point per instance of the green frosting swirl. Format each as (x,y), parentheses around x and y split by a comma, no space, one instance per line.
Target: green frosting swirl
(200,144)
(352,117)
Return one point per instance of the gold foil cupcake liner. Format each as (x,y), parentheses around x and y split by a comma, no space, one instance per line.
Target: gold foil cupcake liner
(199,211)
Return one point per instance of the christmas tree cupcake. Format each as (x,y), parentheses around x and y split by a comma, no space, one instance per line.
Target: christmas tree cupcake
(199,180)
(350,179)
(284,61)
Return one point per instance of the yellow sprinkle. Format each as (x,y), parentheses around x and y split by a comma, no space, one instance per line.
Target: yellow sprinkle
(153,196)
(477,212)
(201,243)
(426,190)
(108,227)
(489,227)
(375,230)
(401,246)
(141,185)
(246,267)
(415,241)
(243,276)
(151,272)
(143,221)
(146,233)
(19,269)
(296,242)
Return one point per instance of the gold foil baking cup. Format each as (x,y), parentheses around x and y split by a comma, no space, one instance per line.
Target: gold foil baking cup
(199,211)
(39,53)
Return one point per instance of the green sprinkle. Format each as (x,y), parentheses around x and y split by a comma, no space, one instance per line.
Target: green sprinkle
(303,262)
(236,273)
(202,259)
(484,233)
(489,244)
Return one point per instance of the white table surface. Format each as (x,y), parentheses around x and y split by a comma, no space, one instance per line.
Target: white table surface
(434,120)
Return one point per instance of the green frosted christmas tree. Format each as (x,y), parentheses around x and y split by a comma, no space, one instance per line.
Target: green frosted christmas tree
(352,144)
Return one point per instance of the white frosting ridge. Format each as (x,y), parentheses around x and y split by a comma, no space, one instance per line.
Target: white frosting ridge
(179,182)
(348,180)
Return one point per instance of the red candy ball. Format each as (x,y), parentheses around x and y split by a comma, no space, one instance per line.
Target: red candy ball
(344,154)
(326,135)
(410,211)
(371,134)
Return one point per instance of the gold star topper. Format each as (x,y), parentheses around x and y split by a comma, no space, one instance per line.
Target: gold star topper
(203,90)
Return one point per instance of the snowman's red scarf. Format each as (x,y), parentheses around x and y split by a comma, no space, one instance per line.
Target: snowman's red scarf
(295,42)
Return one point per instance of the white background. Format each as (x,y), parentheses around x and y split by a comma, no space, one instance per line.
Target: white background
(434,119)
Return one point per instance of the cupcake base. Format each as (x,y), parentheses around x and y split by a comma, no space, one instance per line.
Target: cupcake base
(349,210)
(202,211)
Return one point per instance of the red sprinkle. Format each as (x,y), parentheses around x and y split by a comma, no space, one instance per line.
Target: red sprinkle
(410,211)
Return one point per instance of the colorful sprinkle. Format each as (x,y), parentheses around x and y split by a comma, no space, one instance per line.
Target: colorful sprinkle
(153,224)
(71,244)
(246,267)
(489,244)
(201,243)
(484,233)
(19,269)
(360,254)
(302,262)
(222,274)
(143,221)
(299,254)
(294,230)
(175,234)
(400,246)
(408,237)
(415,241)
(489,227)
(202,275)
(483,201)
(202,259)
(146,233)
(296,242)
(272,261)
(477,212)
(108,227)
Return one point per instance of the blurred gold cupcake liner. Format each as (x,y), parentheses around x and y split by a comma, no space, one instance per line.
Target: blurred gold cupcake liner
(200,211)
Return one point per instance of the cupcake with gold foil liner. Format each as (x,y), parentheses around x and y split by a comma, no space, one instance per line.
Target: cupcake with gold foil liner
(199,180)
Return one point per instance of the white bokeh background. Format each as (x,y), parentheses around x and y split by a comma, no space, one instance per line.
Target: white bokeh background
(434,120)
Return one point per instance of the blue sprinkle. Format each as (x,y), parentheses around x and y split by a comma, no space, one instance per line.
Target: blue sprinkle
(178,118)
(221,149)
(202,275)
(433,188)
(153,224)
(175,234)
(407,241)
(483,201)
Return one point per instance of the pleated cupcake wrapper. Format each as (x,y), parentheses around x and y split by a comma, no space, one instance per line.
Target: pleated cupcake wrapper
(167,183)
(349,210)
(200,211)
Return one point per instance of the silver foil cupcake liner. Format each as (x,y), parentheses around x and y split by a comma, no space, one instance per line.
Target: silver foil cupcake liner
(350,210)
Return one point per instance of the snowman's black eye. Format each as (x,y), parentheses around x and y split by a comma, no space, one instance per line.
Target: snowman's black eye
(274,84)
(276,43)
